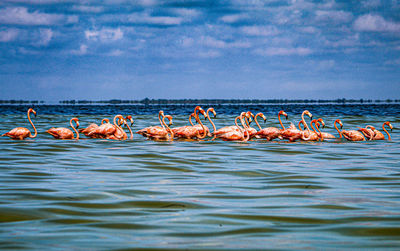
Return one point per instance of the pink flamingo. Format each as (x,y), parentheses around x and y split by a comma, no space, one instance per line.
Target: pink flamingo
(260,114)
(22,132)
(238,134)
(157,132)
(198,126)
(325,135)
(293,134)
(337,129)
(65,133)
(271,133)
(190,132)
(227,129)
(92,127)
(108,130)
(351,135)
(373,134)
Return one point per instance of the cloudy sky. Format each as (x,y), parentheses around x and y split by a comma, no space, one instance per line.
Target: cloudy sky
(132,49)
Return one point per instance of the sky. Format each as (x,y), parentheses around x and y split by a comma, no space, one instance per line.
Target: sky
(252,49)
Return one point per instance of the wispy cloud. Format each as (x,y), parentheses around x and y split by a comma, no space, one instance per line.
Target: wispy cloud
(221,44)
(44,37)
(104,35)
(370,22)
(260,30)
(7,35)
(88,8)
(233,18)
(83,49)
(281,51)
(146,18)
(333,16)
(21,16)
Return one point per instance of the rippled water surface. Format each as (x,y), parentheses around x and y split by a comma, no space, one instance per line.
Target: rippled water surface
(103,194)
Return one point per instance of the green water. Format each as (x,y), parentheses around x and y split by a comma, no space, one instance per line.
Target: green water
(107,195)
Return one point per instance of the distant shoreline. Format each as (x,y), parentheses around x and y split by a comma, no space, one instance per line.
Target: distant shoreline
(200,101)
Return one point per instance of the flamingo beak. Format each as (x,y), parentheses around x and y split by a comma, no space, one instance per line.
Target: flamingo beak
(215,114)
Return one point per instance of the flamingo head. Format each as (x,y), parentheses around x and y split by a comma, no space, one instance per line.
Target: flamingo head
(340,123)
(250,114)
(284,114)
(129,118)
(213,111)
(320,120)
(169,117)
(203,112)
(105,121)
(306,112)
(161,113)
(262,116)
(389,124)
(33,111)
(76,121)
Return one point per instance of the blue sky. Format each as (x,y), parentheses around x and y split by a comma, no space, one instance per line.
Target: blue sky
(69,49)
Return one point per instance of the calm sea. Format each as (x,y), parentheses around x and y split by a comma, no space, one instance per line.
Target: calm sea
(96,194)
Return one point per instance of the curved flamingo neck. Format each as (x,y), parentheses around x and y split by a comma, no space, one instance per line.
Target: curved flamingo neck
(255,118)
(34,128)
(159,118)
(124,137)
(168,129)
(212,123)
(246,127)
(240,129)
(201,124)
(304,122)
(105,121)
(190,119)
(319,131)
(280,121)
(383,127)
(337,129)
(130,130)
(73,127)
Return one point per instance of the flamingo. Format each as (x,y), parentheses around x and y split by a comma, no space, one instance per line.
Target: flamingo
(22,132)
(92,127)
(198,126)
(325,135)
(271,133)
(190,132)
(65,133)
(157,132)
(129,118)
(351,135)
(373,134)
(252,131)
(315,136)
(238,134)
(108,130)
(226,129)
(292,133)
(337,129)
(260,114)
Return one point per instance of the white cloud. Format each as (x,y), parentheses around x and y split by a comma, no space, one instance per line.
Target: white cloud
(187,13)
(333,16)
(260,30)
(21,16)
(370,4)
(216,43)
(115,53)
(87,8)
(8,35)
(280,51)
(209,54)
(145,18)
(104,35)
(45,36)
(233,18)
(309,29)
(376,23)
(344,42)
(81,51)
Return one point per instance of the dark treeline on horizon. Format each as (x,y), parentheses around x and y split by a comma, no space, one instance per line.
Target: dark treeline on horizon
(148,101)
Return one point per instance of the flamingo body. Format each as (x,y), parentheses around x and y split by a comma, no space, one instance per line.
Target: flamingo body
(18,133)
(61,133)
(353,135)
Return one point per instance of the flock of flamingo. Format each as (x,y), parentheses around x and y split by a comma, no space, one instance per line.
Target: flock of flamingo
(199,131)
